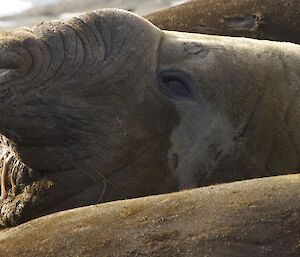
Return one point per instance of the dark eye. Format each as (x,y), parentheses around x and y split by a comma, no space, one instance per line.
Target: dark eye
(174,84)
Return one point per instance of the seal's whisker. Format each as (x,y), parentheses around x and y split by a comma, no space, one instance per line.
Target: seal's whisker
(103,191)
(126,147)
(104,178)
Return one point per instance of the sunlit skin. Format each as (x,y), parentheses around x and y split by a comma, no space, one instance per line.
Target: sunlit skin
(107,106)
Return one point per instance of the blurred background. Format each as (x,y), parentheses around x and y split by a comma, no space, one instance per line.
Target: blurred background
(16,13)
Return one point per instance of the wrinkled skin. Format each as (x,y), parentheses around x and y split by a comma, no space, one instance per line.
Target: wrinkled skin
(277,20)
(106,106)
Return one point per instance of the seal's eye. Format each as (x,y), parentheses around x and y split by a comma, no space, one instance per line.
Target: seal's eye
(174,84)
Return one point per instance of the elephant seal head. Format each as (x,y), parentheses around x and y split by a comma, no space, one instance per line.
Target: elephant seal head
(107,106)
(81,117)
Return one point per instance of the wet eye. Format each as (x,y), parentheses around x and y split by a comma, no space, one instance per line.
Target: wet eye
(174,84)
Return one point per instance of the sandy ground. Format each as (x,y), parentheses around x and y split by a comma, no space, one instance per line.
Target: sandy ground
(68,8)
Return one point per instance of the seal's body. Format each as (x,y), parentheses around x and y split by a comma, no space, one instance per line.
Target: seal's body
(107,106)
(277,20)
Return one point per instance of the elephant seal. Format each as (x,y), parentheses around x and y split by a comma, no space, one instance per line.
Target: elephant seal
(259,217)
(107,106)
(261,19)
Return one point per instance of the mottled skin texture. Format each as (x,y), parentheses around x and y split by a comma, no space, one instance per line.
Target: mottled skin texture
(262,19)
(107,106)
(242,219)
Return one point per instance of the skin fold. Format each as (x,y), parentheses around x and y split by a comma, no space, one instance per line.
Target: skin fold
(277,20)
(107,106)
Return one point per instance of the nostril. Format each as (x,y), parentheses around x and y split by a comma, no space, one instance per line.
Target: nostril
(7,75)
(13,65)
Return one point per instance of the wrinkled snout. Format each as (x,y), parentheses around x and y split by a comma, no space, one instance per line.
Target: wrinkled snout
(15,57)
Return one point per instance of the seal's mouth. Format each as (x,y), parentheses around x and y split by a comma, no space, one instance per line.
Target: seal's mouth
(21,187)
(27,193)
